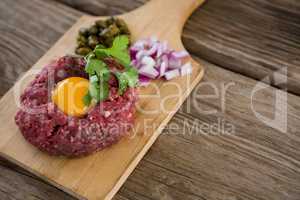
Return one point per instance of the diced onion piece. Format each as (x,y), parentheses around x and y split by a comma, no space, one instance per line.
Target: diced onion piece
(180,54)
(154,59)
(151,51)
(172,74)
(158,63)
(139,45)
(140,55)
(135,63)
(174,63)
(133,53)
(162,48)
(162,69)
(149,72)
(186,69)
(163,65)
(148,61)
(144,81)
(159,51)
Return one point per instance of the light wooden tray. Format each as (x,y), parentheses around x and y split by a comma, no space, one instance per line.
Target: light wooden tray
(100,175)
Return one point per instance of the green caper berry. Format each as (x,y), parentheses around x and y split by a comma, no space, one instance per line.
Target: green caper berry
(114,30)
(83,51)
(105,33)
(80,44)
(93,30)
(120,23)
(124,30)
(110,21)
(93,41)
(102,32)
(101,24)
(82,39)
(84,32)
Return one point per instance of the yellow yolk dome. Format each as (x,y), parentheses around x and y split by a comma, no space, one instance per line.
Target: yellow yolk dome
(68,96)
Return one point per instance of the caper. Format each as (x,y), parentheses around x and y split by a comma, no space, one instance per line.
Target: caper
(114,30)
(84,31)
(122,26)
(120,22)
(101,24)
(81,41)
(102,32)
(82,38)
(124,30)
(93,41)
(110,21)
(105,33)
(83,51)
(93,30)
(80,44)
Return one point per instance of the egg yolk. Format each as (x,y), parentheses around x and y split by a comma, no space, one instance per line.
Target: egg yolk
(68,96)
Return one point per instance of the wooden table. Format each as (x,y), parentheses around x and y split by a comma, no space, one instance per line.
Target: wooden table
(243,44)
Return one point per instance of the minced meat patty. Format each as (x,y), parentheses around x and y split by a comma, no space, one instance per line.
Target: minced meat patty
(52,131)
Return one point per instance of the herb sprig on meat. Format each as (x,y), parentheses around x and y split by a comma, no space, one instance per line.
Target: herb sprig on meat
(99,73)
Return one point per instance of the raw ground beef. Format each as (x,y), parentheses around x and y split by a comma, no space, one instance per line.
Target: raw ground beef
(52,131)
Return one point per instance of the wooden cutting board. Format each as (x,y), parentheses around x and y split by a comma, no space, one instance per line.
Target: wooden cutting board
(100,175)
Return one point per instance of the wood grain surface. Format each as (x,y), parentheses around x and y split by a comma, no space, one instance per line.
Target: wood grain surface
(258,162)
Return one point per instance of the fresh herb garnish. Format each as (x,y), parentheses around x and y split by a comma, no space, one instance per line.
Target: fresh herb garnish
(99,73)
(118,50)
(123,82)
(132,76)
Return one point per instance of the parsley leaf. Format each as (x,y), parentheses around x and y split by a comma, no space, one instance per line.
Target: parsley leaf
(118,50)
(94,90)
(123,82)
(98,67)
(89,56)
(127,79)
(104,91)
(122,56)
(99,73)
(132,76)
(99,91)
(94,79)
(93,66)
(121,42)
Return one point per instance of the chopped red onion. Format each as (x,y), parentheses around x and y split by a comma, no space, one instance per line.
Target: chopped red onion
(135,63)
(163,69)
(133,53)
(154,59)
(140,55)
(149,72)
(174,63)
(186,69)
(148,61)
(180,54)
(143,80)
(139,45)
(172,74)
(152,50)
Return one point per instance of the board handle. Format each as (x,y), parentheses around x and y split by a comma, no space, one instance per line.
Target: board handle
(178,10)
(169,14)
